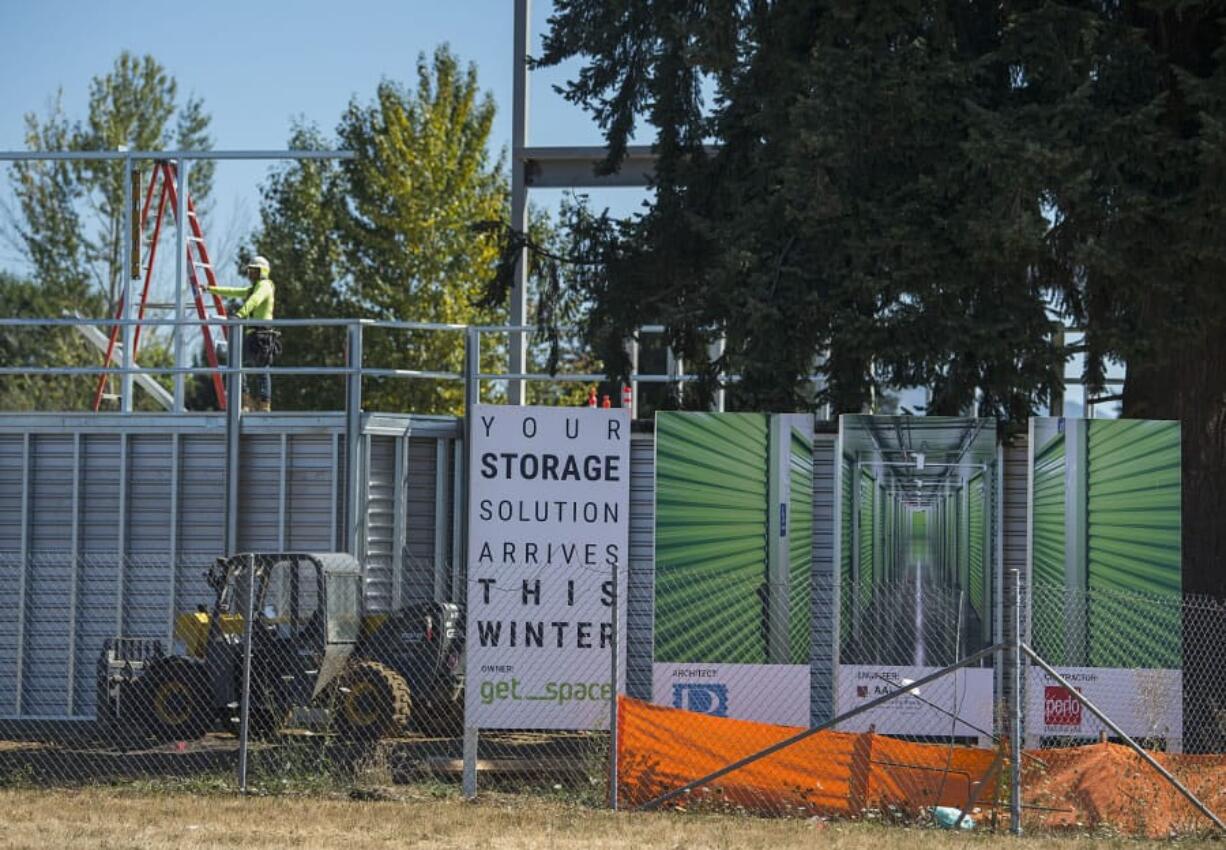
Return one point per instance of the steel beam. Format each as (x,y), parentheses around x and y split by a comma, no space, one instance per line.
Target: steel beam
(121,573)
(183,165)
(518,343)
(103,156)
(125,380)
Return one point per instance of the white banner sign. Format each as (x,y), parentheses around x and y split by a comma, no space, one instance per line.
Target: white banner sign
(768,693)
(548,523)
(1144,703)
(931,709)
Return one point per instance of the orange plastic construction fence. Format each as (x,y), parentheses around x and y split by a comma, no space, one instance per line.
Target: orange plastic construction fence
(829,773)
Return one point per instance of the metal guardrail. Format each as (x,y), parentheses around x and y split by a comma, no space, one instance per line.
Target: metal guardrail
(354,369)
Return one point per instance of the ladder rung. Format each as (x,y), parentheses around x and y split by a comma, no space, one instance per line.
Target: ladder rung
(159,305)
(195,239)
(110,396)
(202,265)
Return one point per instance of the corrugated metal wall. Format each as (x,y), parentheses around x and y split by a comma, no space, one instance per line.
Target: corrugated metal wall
(1013,517)
(640,615)
(65,520)
(107,526)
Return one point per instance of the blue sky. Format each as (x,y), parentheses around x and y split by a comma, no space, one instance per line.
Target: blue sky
(260,65)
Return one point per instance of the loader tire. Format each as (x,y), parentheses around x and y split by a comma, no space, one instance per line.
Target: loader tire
(174,701)
(371,701)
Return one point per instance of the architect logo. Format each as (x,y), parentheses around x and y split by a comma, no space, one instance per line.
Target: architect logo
(1060,707)
(702,698)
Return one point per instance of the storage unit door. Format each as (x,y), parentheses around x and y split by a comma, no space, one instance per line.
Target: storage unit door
(711,535)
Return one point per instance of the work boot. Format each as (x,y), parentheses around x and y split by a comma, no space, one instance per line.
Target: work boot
(248,403)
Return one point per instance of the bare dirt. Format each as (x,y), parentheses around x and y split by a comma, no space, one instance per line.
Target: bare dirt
(1110,785)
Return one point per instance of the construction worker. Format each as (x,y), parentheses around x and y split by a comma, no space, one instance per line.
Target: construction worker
(260,345)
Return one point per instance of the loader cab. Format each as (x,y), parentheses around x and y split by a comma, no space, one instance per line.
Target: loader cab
(310,600)
(307,619)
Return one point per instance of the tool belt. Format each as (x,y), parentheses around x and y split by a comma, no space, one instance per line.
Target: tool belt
(265,344)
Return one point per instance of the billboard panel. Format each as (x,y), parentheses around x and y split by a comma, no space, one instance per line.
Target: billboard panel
(734,540)
(548,522)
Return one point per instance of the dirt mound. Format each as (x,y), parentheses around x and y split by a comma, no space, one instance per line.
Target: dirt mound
(1109,784)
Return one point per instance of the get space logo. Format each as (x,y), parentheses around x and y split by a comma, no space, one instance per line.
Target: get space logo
(702,698)
(1060,707)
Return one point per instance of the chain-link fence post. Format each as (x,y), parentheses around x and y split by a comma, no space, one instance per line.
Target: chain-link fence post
(472,396)
(1014,673)
(613,691)
(244,698)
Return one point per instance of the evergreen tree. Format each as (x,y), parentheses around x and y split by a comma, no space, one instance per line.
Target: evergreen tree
(923,194)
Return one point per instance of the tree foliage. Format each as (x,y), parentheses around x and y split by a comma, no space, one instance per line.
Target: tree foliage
(921,194)
(134,105)
(67,220)
(391,234)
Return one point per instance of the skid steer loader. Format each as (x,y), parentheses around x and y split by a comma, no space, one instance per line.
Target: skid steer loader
(317,659)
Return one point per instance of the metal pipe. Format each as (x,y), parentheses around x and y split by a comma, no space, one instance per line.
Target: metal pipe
(472,396)
(71,321)
(353,442)
(800,736)
(234,424)
(244,708)
(613,701)
(96,156)
(1015,719)
(181,171)
(1110,724)
(518,348)
(125,383)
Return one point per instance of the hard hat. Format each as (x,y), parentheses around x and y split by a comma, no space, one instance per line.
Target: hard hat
(259,263)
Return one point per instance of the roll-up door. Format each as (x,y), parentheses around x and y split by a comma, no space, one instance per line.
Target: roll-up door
(711,534)
(867,513)
(975,529)
(1133,542)
(1047,551)
(800,546)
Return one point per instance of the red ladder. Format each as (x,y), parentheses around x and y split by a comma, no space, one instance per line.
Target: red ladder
(197,258)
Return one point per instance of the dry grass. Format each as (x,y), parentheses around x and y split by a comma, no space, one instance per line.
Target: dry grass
(100,818)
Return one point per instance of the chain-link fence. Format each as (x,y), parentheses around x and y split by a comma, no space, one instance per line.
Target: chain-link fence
(742,663)
(1151,667)
(272,673)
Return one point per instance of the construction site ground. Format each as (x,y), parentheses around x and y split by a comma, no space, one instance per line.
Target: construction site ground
(122,818)
(81,759)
